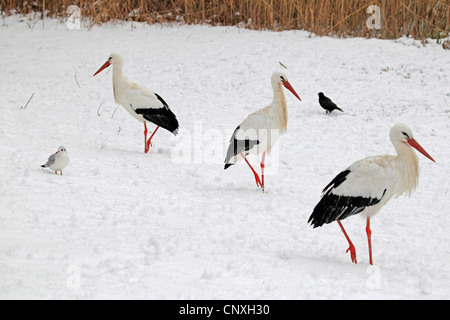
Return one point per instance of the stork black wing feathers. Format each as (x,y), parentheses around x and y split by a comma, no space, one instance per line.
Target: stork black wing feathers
(238,146)
(163,117)
(334,207)
(338,180)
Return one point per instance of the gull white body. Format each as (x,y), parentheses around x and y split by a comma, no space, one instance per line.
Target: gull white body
(58,160)
(367,185)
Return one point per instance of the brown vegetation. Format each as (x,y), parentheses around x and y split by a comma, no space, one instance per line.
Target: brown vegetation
(420,19)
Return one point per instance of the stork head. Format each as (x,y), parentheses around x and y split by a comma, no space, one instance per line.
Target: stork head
(401,134)
(113,58)
(281,78)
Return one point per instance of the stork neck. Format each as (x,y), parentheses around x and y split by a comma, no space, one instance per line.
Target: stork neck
(404,151)
(117,77)
(279,104)
(278,96)
(117,70)
(408,162)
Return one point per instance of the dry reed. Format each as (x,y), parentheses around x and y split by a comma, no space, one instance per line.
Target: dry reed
(420,19)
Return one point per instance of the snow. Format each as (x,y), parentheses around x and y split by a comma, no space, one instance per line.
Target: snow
(173,224)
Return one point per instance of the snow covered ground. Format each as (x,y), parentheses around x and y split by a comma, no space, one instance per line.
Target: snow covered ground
(123,224)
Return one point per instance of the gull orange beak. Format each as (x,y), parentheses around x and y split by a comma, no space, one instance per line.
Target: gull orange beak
(289,87)
(103,67)
(413,143)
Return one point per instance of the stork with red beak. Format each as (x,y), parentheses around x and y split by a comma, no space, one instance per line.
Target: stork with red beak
(142,103)
(261,130)
(367,185)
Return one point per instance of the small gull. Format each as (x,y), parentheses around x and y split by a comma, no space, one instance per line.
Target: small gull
(58,160)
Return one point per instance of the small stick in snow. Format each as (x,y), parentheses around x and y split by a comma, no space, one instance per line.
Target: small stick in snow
(77,80)
(281,64)
(114,112)
(30,24)
(28,101)
(98,110)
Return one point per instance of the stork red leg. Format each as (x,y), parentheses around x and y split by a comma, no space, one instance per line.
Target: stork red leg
(351,246)
(258,181)
(263,165)
(145,137)
(369,239)
(149,142)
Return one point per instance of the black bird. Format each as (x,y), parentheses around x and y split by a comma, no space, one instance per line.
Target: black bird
(327,104)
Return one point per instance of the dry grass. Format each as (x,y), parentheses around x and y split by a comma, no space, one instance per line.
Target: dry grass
(419,18)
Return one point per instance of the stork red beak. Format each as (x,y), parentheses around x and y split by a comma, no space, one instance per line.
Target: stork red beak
(57,151)
(106,65)
(413,143)
(289,87)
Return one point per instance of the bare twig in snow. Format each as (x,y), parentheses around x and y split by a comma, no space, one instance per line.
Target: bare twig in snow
(281,64)
(30,24)
(98,110)
(114,112)
(28,101)
(77,80)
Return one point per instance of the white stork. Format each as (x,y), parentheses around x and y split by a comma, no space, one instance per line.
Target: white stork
(140,102)
(367,185)
(261,130)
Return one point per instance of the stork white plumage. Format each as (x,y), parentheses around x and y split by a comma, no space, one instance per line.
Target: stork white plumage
(367,185)
(142,103)
(261,130)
